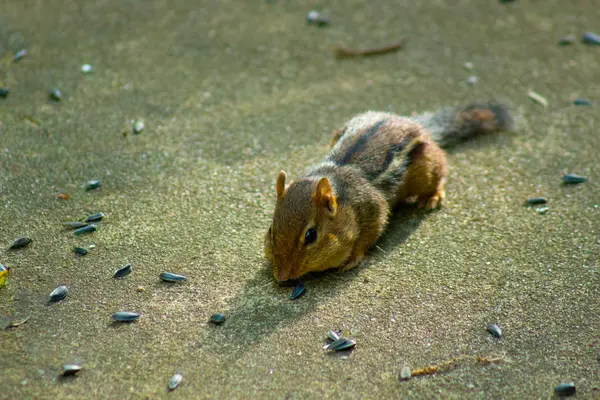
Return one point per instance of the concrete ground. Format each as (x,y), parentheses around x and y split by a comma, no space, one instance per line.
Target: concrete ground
(230,93)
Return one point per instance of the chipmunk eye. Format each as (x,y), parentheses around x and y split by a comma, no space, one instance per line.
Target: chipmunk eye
(310,236)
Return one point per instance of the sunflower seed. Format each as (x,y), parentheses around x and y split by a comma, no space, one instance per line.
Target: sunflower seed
(405,373)
(123,271)
(126,316)
(74,224)
(85,68)
(582,102)
(20,243)
(217,318)
(536,200)
(71,369)
(85,229)
(340,344)
(565,389)
(59,293)
(170,277)
(95,217)
(4,92)
(591,38)
(175,381)
(572,178)
(495,330)
(298,291)
(138,127)
(20,54)
(80,250)
(567,40)
(537,98)
(333,335)
(542,210)
(93,184)
(55,94)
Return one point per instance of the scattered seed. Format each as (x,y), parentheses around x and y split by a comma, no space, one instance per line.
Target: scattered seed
(140,289)
(123,271)
(126,316)
(20,243)
(333,335)
(55,94)
(175,381)
(80,250)
(582,102)
(15,323)
(74,224)
(405,373)
(170,277)
(59,293)
(572,178)
(95,217)
(4,272)
(298,291)
(93,184)
(343,52)
(312,17)
(138,127)
(537,98)
(63,196)
(536,200)
(85,68)
(71,369)
(217,318)
(340,344)
(565,389)
(567,40)
(542,210)
(495,330)
(4,92)
(472,80)
(20,54)
(85,229)
(468,65)
(591,39)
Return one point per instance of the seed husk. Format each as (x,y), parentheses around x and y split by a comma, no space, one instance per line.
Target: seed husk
(138,127)
(333,335)
(95,217)
(4,92)
(86,68)
(20,54)
(582,102)
(495,330)
(20,243)
(123,271)
(542,210)
(572,178)
(340,344)
(217,318)
(71,369)
(55,94)
(298,291)
(15,323)
(405,373)
(536,200)
(80,250)
(170,277)
(126,316)
(591,39)
(93,184)
(175,381)
(59,293)
(74,224)
(538,98)
(565,389)
(85,229)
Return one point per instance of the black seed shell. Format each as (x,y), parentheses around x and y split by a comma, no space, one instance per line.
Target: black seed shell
(565,389)
(20,243)
(126,316)
(298,291)
(495,330)
(123,271)
(59,293)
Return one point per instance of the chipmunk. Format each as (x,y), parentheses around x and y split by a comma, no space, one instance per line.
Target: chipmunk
(330,217)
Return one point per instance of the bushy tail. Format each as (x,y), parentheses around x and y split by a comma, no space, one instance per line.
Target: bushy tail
(451,125)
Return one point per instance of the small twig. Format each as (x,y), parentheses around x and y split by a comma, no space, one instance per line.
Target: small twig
(432,369)
(344,52)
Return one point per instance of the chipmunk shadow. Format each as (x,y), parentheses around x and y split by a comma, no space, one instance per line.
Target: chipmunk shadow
(263,306)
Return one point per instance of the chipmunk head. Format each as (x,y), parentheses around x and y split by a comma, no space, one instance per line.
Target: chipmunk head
(310,231)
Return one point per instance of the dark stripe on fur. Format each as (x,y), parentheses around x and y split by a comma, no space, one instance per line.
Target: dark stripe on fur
(361,142)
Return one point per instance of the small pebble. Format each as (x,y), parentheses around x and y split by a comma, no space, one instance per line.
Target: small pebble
(71,369)
(495,330)
(20,54)
(175,381)
(95,217)
(582,102)
(85,68)
(405,373)
(85,229)
(537,98)
(93,184)
(59,293)
(138,127)
(542,210)
(125,316)
(123,271)
(3,92)
(170,277)
(565,389)
(567,40)
(55,94)
(80,250)
(217,318)
(20,243)
(591,39)
(572,178)
(536,200)
(298,291)
(472,80)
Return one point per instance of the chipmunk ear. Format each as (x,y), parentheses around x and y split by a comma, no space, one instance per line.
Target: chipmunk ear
(280,184)
(323,196)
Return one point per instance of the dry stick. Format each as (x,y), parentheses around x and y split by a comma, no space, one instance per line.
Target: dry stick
(432,369)
(343,52)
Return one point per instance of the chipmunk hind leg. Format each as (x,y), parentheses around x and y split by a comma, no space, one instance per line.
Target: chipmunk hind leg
(425,176)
